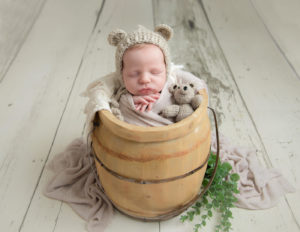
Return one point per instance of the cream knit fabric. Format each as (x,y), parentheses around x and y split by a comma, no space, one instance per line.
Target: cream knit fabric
(123,41)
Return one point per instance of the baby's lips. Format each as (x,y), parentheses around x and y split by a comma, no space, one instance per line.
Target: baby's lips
(146,91)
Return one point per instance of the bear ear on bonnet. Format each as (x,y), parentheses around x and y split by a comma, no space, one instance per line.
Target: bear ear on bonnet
(116,36)
(164,30)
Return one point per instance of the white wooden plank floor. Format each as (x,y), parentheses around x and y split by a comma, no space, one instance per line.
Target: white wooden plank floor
(247,52)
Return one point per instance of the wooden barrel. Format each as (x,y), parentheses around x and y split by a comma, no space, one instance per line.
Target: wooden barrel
(137,158)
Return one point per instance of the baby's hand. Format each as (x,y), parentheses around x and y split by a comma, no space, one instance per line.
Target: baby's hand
(145,102)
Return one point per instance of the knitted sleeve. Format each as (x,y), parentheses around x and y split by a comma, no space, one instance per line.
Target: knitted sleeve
(99,93)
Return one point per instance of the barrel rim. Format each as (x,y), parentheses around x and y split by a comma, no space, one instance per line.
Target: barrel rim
(152,134)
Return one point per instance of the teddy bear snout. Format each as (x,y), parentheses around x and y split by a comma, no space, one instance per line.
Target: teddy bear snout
(183,90)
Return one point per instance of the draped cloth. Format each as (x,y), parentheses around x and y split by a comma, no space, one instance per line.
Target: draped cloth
(75,183)
(260,188)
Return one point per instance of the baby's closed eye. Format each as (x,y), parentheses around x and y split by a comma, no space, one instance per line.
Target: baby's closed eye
(156,71)
(134,74)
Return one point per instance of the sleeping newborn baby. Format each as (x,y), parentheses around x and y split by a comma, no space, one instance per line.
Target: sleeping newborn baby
(143,61)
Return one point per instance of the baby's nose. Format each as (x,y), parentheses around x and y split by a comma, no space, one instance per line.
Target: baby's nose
(144,78)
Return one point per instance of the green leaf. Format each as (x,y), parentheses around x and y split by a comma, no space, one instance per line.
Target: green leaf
(234,177)
(209,213)
(215,204)
(197,209)
(205,182)
(236,191)
(228,224)
(209,206)
(220,196)
(226,167)
(229,214)
(196,227)
(191,215)
(211,162)
(183,218)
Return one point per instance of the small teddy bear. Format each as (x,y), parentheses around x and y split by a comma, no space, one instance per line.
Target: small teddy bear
(187,101)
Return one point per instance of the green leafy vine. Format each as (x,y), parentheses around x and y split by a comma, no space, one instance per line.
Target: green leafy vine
(219,197)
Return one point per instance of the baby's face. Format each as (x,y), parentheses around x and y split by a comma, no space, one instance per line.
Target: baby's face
(144,70)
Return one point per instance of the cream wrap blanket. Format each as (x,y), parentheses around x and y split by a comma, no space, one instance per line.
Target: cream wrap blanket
(74,181)
(153,118)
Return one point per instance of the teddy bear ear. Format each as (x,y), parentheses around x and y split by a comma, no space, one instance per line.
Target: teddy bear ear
(164,30)
(116,36)
(193,86)
(172,88)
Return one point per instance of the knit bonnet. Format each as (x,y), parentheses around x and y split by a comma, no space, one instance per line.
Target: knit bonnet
(122,40)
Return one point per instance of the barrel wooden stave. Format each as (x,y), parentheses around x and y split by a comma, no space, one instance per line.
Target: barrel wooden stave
(168,158)
(150,200)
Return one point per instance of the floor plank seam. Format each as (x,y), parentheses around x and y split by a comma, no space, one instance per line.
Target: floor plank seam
(98,15)
(274,40)
(266,157)
(56,219)
(21,45)
(292,213)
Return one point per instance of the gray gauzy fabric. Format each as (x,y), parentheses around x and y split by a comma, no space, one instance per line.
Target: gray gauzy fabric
(74,182)
(260,188)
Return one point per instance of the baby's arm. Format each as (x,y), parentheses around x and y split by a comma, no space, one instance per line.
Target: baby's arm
(145,102)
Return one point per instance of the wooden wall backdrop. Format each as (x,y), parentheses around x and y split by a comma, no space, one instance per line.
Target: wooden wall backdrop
(247,51)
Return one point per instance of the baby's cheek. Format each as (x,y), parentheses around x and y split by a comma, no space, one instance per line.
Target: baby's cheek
(162,82)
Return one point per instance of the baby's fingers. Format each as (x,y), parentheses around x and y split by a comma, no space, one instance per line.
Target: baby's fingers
(143,108)
(139,100)
(150,106)
(138,107)
(150,98)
